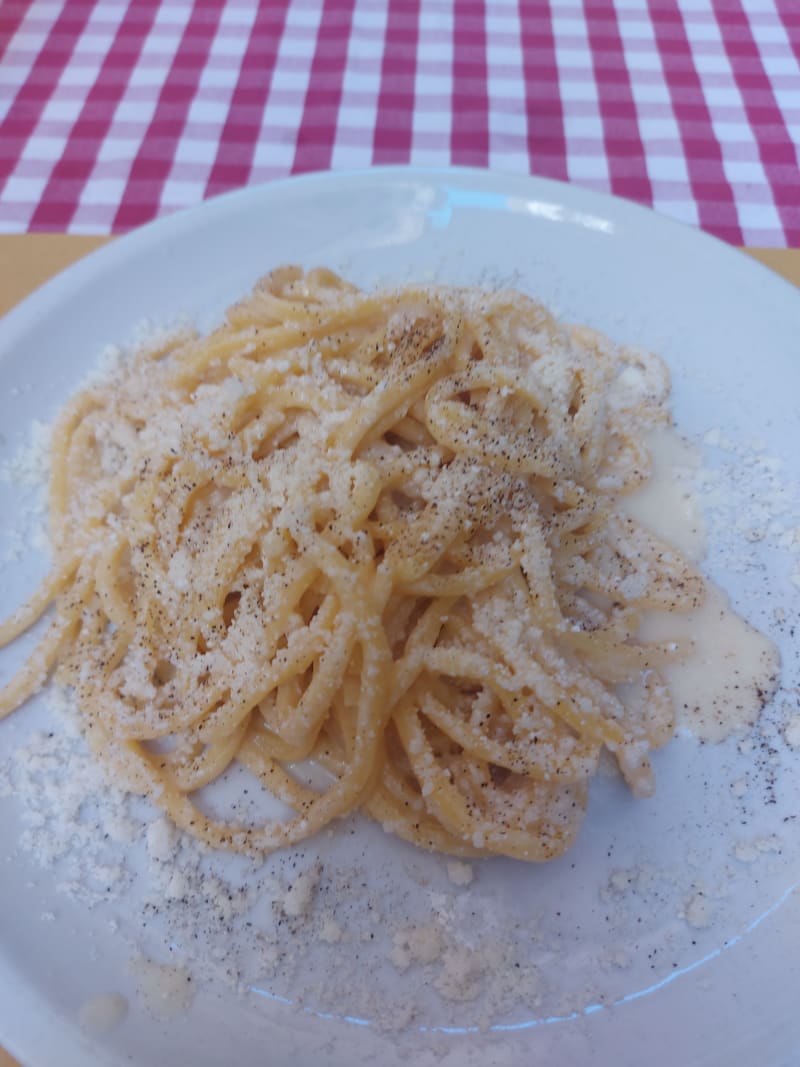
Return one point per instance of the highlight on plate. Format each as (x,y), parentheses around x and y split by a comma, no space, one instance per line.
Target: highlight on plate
(378,531)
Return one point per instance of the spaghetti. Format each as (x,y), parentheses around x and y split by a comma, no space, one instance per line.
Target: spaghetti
(381,532)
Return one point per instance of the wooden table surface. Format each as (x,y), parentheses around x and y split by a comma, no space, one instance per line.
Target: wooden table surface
(28,260)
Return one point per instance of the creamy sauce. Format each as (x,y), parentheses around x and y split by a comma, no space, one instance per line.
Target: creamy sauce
(721,687)
(732,671)
(667,504)
(165,990)
(101,1014)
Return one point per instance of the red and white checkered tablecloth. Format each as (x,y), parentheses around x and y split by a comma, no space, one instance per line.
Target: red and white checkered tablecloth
(113,112)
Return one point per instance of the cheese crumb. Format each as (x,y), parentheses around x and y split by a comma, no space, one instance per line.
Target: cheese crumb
(161,839)
(298,898)
(459,873)
(791,732)
(699,912)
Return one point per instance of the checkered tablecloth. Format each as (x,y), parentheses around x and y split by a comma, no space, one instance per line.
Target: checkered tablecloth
(115,112)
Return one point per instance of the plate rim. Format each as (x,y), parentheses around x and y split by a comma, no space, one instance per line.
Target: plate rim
(114,254)
(121,246)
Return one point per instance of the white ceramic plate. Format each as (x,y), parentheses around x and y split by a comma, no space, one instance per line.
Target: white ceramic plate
(624,977)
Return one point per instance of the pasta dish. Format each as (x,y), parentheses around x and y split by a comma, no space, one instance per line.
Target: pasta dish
(380,532)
